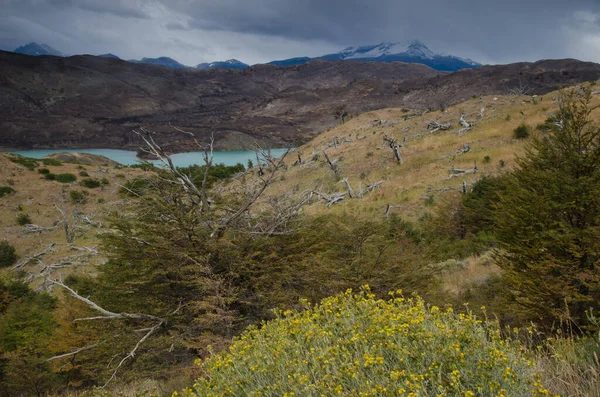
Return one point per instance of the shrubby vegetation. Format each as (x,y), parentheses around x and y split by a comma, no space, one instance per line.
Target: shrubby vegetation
(522,131)
(65,178)
(8,254)
(357,345)
(23,219)
(78,197)
(183,274)
(26,162)
(53,162)
(217,172)
(90,183)
(548,221)
(26,325)
(6,190)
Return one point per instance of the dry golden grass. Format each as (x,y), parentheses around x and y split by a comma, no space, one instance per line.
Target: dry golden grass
(427,157)
(471,272)
(37,197)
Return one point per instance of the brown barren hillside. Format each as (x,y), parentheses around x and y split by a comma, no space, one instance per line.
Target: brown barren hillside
(87,101)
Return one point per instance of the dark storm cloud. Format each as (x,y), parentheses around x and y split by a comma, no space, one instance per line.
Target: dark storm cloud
(122,8)
(261,30)
(496,28)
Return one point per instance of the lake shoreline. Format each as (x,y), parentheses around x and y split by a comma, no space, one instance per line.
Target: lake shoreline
(129,157)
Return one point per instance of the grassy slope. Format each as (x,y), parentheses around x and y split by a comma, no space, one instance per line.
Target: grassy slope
(427,157)
(413,187)
(37,197)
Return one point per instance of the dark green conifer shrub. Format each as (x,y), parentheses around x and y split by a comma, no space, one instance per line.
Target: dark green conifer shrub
(66,178)
(23,219)
(90,183)
(8,254)
(522,131)
(6,190)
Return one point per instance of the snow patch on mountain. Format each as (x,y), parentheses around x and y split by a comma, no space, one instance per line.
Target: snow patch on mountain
(410,48)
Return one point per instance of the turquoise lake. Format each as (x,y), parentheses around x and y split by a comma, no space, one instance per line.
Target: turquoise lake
(127,157)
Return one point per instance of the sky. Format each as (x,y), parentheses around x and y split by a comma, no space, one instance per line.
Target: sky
(258,31)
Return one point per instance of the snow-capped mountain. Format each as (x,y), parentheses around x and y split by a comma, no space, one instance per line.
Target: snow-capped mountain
(36,49)
(229,64)
(415,48)
(409,52)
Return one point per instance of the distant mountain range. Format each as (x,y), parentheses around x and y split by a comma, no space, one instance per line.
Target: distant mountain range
(408,52)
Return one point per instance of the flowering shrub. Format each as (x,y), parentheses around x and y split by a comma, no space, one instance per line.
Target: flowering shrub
(356,345)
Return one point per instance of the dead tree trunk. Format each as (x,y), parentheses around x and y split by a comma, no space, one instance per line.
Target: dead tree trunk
(299,161)
(349,188)
(332,165)
(395,146)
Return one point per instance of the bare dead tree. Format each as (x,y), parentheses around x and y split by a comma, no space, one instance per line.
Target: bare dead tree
(333,165)
(35,257)
(334,198)
(74,223)
(348,187)
(369,188)
(156,323)
(520,89)
(331,199)
(462,121)
(341,113)
(456,172)
(465,149)
(196,194)
(299,161)
(232,210)
(434,126)
(395,146)
(31,228)
(389,209)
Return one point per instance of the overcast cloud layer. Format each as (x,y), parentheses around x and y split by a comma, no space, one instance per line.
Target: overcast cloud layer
(255,31)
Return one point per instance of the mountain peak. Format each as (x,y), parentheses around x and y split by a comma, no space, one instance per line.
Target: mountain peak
(163,61)
(228,64)
(36,49)
(413,48)
(109,55)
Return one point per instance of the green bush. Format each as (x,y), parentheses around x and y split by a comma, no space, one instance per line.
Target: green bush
(44,171)
(104,181)
(50,176)
(26,162)
(4,190)
(8,254)
(23,219)
(78,197)
(53,162)
(357,345)
(487,159)
(90,183)
(66,178)
(135,187)
(522,131)
(83,173)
